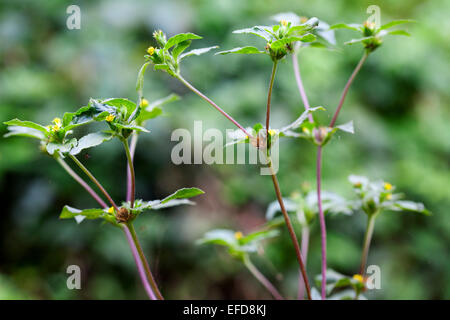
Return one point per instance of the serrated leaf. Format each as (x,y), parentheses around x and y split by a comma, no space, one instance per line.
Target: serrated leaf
(89,141)
(172,203)
(395,23)
(183,194)
(180,38)
(197,52)
(24,132)
(242,50)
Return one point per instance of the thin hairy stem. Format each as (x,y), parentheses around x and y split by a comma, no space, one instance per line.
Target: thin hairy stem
(138,262)
(305,245)
(133,143)
(269,96)
(132,175)
(323,229)
(94,180)
(262,279)
(366,246)
(287,219)
(144,262)
(204,97)
(300,86)
(347,87)
(78,179)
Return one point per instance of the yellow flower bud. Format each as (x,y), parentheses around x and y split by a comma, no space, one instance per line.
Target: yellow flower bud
(144,103)
(238,235)
(369,25)
(387,186)
(389,196)
(358,278)
(284,23)
(151,50)
(110,117)
(111,210)
(272,132)
(57,121)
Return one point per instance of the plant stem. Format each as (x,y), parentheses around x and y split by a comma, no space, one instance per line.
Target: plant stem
(366,246)
(134,140)
(347,86)
(262,279)
(269,97)
(132,185)
(93,179)
(323,229)
(138,262)
(305,244)
(81,182)
(201,95)
(291,230)
(144,262)
(300,86)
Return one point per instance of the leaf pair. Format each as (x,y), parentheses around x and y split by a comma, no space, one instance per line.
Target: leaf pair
(371,34)
(238,245)
(180,197)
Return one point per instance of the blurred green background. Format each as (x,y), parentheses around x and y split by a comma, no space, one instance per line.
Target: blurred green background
(399,104)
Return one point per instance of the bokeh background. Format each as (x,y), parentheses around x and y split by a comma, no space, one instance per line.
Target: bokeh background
(399,103)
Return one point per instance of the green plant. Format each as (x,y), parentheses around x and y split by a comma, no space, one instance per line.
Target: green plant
(124,120)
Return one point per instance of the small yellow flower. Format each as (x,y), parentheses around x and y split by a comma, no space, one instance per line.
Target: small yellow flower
(357,184)
(369,25)
(358,278)
(238,235)
(144,103)
(110,117)
(151,50)
(389,196)
(387,186)
(284,23)
(272,132)
(57,121)
(305,130)
(111,210)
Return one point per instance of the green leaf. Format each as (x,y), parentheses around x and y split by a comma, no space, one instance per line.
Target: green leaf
(183,193)
(354,27)
(259,236)
(90,140)
(24,132)
(222,237)
(80,215)
(131,127)
(121,102)
(179,48)
(180,38)
(197,52)
(242,50)
(171,203)
(404,205)
(259,31)
(154,109)
(65,147)
(399,33)
(282,42)
(26,124)
(140,78)
(395,23)
(161,67)
(297,123)
(353,41)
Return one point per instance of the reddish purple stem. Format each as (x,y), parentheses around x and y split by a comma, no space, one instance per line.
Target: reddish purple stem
(322,224)
(139,265)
